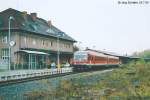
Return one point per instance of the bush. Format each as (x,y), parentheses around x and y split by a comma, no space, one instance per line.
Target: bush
(130,82)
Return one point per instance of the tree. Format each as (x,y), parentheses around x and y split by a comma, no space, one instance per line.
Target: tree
(75,48)
(145,54)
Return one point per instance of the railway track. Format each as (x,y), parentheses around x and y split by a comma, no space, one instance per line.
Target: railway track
(10,82)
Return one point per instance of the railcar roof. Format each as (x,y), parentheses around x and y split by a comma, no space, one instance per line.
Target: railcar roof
(95,53)
(91,53)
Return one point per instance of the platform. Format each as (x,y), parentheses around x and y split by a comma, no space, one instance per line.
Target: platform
(22,74)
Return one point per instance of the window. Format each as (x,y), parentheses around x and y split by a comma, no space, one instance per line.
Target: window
(25,40)
(51,43)
(80,57)
(68,45)
(50,31)
(5,53)
(46,43)
(65,45)
(34,42)
(4,39)
(33,27)
(43,42)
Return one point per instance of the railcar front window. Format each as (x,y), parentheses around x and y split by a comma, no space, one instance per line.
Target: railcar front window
(80,57)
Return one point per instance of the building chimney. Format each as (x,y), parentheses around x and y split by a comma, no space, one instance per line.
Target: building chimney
(34,16)
(49,23)
(24,14)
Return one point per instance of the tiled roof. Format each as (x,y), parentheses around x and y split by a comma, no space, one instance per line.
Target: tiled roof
(37,26)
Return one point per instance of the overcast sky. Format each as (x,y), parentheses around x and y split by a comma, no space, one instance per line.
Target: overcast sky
(98,24)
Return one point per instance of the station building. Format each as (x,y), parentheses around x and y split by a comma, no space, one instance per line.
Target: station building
(33,40)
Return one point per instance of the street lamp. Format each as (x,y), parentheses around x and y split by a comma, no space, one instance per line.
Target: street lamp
(59,34)
(9,41)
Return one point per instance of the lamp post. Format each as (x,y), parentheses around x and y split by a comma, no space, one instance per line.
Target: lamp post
(60,34)
(9,20)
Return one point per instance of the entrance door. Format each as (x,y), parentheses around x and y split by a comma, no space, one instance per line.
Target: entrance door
(33,61)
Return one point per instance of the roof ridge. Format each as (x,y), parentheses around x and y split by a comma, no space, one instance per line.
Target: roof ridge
(22,13)
(10,9)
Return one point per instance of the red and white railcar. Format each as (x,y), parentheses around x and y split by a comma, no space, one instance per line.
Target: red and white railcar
(92,59)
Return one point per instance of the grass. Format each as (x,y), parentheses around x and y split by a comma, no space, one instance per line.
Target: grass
(130,82)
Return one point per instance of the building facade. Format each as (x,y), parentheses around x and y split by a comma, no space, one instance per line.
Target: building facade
(34,41)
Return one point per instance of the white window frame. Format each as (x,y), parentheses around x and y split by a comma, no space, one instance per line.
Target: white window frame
(51,43)
(5,53)
(34,42)
(25,40)
(43,42)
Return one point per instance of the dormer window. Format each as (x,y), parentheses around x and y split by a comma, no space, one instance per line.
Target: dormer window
(23,24)
(33,27)
(50,31)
